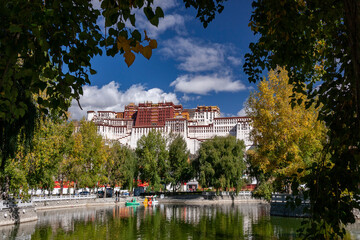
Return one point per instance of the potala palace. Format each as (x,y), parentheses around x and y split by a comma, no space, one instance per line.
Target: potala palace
(195,125)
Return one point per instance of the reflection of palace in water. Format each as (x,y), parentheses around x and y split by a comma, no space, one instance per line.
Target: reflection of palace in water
(233,221)
(193,214)
(21,231)
(66,219)
(236,221)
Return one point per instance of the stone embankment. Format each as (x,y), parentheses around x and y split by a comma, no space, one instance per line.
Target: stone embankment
(73,203)
(15,213)
(209,198)
(280,206)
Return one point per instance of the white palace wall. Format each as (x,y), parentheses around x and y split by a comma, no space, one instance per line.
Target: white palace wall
(193,131)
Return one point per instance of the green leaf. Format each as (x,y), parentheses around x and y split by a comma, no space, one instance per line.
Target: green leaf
(132,19)
(149,13)
(124,33)
(136,35)
(92,71)
(154,21)
(14,28)
(120,25)
(83,36)
(113,32)
(159,12)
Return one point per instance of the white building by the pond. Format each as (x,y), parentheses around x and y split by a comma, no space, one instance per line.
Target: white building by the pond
(195,125)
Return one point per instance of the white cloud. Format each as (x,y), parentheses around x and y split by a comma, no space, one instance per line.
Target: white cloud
(110,98)
(187,98)
(174,22)
(197,56)
(234,60)
(203,84)
(96,4)
(193,55)
(166,4)
(171,20)
(242,112)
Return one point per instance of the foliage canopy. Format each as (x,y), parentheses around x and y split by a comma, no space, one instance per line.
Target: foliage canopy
(46,46)
(287,139)
(180,169)
(153,161)
(318,43)
(221,163)
(121,166)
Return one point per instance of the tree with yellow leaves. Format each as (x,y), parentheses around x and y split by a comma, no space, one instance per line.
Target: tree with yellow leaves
(287,137)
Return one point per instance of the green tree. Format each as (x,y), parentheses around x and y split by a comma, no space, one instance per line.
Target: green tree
(153,161)
(318,44)
(43,159)
(221,163)
(48,45)
(66,130)
(121,166)
(180,167)
(287,138)
(88,156)
(14,178)
(37,167)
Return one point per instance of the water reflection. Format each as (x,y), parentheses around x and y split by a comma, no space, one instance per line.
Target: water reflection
(20,232)
(227,221)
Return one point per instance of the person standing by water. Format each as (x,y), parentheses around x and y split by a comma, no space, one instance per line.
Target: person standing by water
(117,196)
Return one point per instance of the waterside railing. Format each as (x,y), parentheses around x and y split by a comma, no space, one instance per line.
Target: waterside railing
(284,198)
(18,203)
(63,197)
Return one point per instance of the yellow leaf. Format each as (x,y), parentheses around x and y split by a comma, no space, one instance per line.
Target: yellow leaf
(146,52)
(123,43)
(129,58)
(137,48)
(153,43)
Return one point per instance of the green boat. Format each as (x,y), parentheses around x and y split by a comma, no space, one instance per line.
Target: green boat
(132,203)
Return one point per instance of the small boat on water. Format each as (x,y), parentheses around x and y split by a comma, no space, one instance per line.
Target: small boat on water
(132,203)
(150,201)
(154,201)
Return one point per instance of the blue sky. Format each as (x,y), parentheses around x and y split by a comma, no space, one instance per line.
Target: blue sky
(192,66)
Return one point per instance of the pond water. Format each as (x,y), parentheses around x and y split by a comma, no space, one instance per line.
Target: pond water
(227,221)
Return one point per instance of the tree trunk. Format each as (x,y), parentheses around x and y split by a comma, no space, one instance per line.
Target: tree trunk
(61,181)
(75,187)
(288,188)
(6,190)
